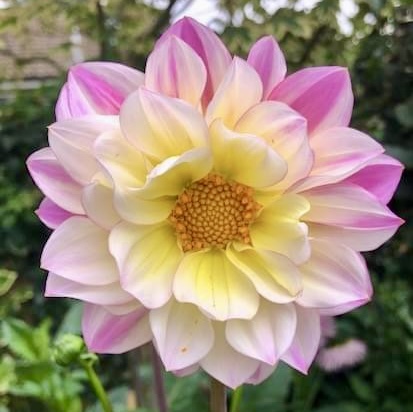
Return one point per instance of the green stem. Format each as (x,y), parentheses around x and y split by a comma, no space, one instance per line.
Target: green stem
(97,386)
(218,397)
(236,399)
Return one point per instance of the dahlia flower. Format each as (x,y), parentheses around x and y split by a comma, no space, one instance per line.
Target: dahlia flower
(211,205)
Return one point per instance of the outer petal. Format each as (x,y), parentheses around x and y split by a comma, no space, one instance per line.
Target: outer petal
(338,153)
(278,228)
(174,69)
(263,372)
(96,88)
(161,126)
(54,182)
(351,209)
(68,253)
(106,333)
(285,131)
(51,214)
(304,348)
(321,94)
(268,60)
(335,278)
(152,257)
(72,142)
(209,48)
(225,364)
(380,176)
(232,150)
(274,276)
(110,295)
(97,200)
(183,335)
(240,89)
(267,335)
(209,280)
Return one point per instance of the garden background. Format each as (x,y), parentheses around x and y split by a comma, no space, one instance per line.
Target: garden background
(373,38)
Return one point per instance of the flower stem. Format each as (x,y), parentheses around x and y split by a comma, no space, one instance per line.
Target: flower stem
(236,400)
(218,397)
(97,386)
(158,382)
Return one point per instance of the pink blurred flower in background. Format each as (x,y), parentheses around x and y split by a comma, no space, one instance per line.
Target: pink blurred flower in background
(211,205)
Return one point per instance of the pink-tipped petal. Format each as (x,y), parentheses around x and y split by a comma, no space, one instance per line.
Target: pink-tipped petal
(183,335)
(304,348)
(322,95)
(54,181)
(347,208)
(107,333)
(69,254)
(335,279)
(241,88)
(72,142)
(209,48)
(268,60)
(225,364)
(96,88)
(380,176)
(161,126)
(267,335)
(51,214)
(174,69)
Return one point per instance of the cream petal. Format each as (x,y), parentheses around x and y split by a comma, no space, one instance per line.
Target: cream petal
(68,253)
(285,131)
(226,364)
(161,126)
(335,278)
(175,70)
(278,228)
(97,200)
(147,261)
(209,280)
(274,276)
(232,151)
(267,335)
(182,334)
(306,342)
(240,89)
(72,142)
(107,333)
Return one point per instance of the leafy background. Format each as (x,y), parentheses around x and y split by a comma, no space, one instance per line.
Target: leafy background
(379,54)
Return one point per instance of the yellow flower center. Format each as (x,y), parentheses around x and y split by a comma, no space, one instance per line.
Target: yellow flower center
(213,212)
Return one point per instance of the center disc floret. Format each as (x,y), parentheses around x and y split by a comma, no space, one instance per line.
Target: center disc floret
(212,212)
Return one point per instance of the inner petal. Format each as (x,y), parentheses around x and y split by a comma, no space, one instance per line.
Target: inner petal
(213,212)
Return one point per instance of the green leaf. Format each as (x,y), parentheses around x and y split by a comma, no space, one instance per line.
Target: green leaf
(7,279)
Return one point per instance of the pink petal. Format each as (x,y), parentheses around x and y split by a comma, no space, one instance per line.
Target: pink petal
(54,181)
(338,153)
(263,372)
(174,69)
(322,95)
(108,295)
(51,214)
(183,335)
(96,88)
(226,364)
(380,176)
(267,335)
(106,333)
(209,48)
(351,209)
(69,254)
(72,142)
(335,279)
(302,352)
(268,60)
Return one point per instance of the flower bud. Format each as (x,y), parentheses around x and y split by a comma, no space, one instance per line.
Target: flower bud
(67,349)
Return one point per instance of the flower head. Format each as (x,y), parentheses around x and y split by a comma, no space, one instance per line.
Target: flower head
(211,205)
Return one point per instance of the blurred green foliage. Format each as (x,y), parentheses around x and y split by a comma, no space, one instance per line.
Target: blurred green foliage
(379,52)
